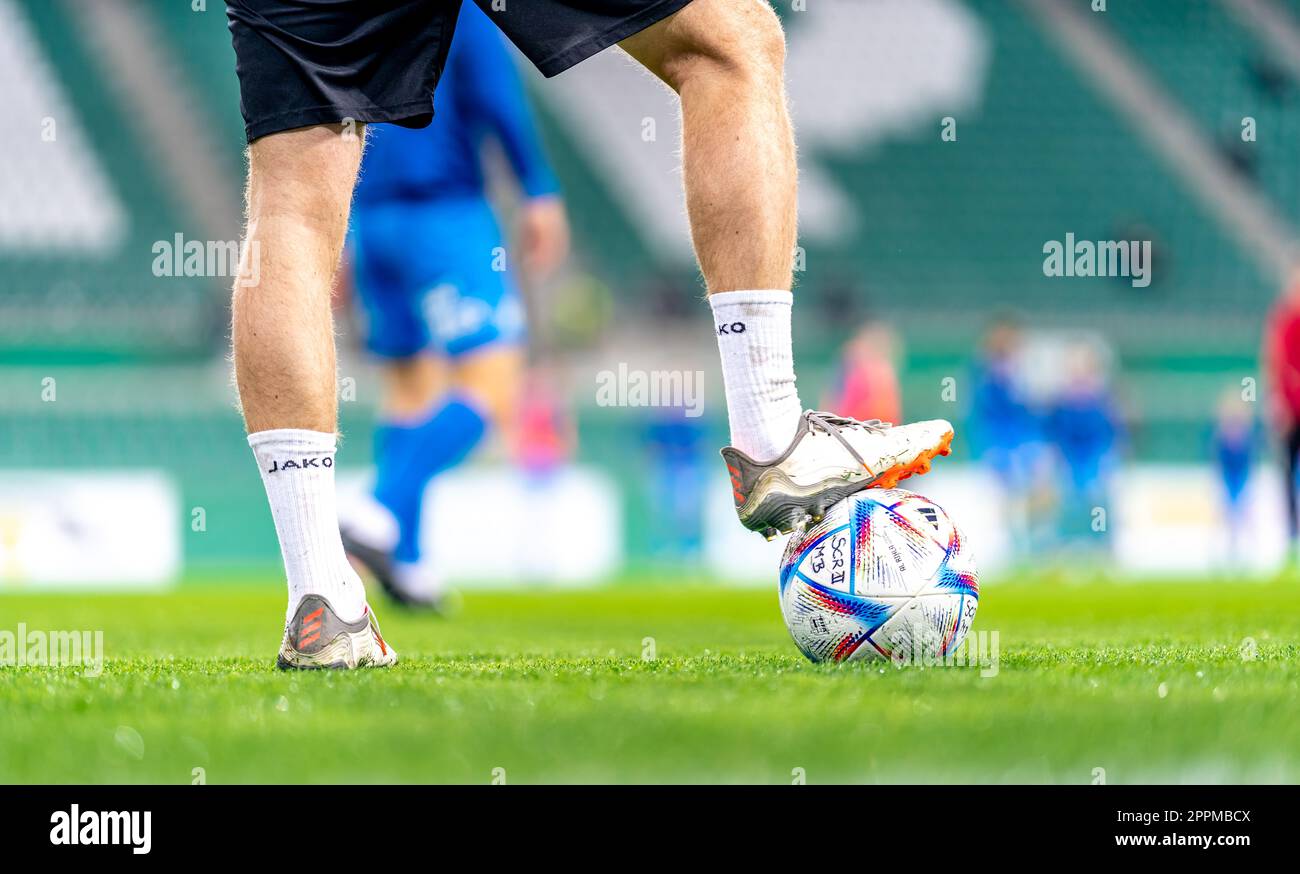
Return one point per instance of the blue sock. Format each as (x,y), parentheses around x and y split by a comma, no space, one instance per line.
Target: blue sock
(408,455)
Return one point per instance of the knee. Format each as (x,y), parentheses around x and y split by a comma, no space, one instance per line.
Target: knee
(731,38)
(306,174)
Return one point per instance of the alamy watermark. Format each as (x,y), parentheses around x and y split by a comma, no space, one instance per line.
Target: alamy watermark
(30,647)
(208,258)
(980,649)
(1130,259)
(131,828)
(651,388)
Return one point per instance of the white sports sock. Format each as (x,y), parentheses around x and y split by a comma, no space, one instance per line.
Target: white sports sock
(298,473)
(753,329)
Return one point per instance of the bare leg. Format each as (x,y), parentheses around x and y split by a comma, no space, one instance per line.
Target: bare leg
(299,191)
(725,59)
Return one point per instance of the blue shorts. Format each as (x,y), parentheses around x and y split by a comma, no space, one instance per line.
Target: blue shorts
(433,278)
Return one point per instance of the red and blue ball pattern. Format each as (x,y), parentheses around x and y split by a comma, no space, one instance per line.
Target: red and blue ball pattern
(886,573)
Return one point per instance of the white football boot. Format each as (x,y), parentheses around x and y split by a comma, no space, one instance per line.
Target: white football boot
(830,458)
(317,638)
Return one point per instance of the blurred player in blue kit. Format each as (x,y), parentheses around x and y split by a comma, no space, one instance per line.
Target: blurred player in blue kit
(1083,423)
(1234,442)
(1006,432)
(438,295)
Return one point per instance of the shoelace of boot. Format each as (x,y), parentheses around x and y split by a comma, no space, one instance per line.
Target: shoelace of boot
(830,421)
(833,424)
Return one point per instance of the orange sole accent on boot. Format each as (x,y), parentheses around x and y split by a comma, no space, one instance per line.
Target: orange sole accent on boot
(892,477)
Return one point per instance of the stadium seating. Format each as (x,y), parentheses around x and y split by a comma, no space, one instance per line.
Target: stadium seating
(946,235)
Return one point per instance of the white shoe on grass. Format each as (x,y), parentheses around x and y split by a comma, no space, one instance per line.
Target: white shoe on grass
(317,638)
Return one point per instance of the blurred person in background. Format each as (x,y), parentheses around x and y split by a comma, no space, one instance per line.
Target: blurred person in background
(545,435)
(1281,356)
(440,309)
(675,443)
(1234,440)
(1006,433)
(1083,425)
(866,380)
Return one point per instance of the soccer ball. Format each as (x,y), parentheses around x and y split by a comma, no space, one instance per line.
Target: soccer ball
(885,574)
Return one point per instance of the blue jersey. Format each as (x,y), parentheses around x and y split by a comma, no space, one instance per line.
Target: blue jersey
(479,97)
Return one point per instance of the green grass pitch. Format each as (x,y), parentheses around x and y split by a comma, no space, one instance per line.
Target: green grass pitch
(1150,682)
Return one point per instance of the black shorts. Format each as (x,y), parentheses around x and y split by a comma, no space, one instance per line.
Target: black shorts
(305,62)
